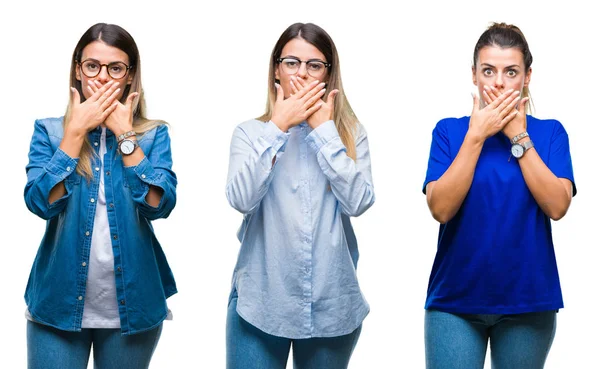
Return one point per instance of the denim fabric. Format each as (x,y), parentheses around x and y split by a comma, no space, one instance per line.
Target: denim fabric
(459,341)
(51,348)
(296,270)
(56,289)
(250,348)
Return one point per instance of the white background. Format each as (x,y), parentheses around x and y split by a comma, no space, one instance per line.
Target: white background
(205,68)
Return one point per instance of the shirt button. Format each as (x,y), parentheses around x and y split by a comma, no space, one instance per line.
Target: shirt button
(95,143)
(122,302)
(108,172)
(80,298)
(68,169)
(83,264)
(118,269)
(111,205)
(110,147)
(115,237)
(143,176)
(92,200)
(97,169)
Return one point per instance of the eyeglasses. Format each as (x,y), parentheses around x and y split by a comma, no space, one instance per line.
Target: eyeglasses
(314,67)
(116,70)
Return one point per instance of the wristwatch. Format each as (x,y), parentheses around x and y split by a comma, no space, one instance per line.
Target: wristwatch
(127,146)
(518,150)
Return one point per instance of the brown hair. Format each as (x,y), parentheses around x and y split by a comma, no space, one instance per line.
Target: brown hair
(506,36)
(343,115)
(112,35)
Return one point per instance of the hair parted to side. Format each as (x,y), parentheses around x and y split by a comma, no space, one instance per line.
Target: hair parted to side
(343,115)
(506,36)
(116,36)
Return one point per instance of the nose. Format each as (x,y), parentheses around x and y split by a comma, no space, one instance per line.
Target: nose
(302,71)
(499,82)
(103,76)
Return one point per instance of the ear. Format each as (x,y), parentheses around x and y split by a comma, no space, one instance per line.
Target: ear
(474,71)
(277,72)
(527,78)
(77,73)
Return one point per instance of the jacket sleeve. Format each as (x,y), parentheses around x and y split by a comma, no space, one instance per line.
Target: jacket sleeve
(154,169)
(47,168)
(251,164)
(350,181)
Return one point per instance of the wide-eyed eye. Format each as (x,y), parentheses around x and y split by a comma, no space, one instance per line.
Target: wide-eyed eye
(488,72)
(511,73)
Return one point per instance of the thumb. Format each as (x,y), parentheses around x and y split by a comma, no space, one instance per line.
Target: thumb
(475,103)
(331,97)
(522,104)
(130,98)
(75,99)
(279,92)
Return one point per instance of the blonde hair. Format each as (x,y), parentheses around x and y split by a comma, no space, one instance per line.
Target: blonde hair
(116,36)
(344,118)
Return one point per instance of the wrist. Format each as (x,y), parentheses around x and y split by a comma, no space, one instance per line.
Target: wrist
(474,138)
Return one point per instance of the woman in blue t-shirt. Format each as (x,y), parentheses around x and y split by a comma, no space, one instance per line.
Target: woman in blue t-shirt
(494,181)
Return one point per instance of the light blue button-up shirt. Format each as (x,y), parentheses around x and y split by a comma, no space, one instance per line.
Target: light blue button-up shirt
(296,271)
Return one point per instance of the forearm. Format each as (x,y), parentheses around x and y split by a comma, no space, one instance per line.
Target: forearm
(446,195)
(154,193)
(552,194)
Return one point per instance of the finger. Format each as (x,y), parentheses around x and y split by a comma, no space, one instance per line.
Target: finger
(315,89)
(522,104)
(298,83)
(505,100)
(508,106)
(111,99)
(130,98)
(98,94)
(309,88)
(331,97)
(108,92)
(508,118)
(75,98)
(95,85)
(310,102)
(487,98)
(495,93)
(295,88)
(279,92)
(475,103)
(109,111)
(314,108)
(302,81)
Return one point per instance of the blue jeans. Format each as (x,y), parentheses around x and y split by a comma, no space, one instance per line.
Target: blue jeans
(459,341)
(250,348)
(51,348)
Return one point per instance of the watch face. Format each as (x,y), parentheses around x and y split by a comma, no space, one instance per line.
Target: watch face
(517,150)
(127,147)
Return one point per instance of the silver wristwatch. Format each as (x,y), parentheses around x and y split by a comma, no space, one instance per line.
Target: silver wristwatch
(518,150)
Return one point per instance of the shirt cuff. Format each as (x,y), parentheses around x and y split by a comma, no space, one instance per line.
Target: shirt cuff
(61,165)
(323,134)
(141,175)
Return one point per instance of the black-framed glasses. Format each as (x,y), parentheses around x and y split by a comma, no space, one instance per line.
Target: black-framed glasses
(92,67)
(314,67)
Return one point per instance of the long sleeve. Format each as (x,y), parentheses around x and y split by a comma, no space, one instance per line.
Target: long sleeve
(154,169)
(251,163)
(350,181)
(46,168)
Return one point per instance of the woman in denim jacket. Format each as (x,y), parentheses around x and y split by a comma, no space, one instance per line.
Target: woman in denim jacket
(98,177)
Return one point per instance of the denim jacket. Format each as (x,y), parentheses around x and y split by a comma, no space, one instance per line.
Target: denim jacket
(56,288)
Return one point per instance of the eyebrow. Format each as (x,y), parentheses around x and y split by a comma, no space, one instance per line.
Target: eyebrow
(493,66)
(297,58)
(98,61)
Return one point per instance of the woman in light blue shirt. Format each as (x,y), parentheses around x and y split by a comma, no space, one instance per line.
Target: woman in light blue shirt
(98,176)
(298,173)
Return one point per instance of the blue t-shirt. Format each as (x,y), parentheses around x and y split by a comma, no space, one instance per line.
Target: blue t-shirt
(496,255)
